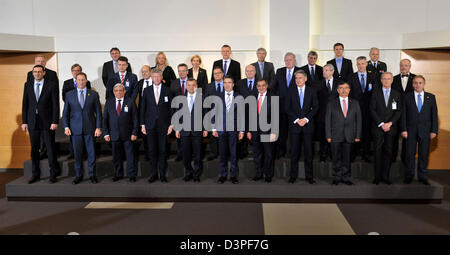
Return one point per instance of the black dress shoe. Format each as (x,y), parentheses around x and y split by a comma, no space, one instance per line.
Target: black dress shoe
(268,179)
(323,159)
(387,182)
(70,156)
(77,180)
(163,179)
(152,179)
(234,180)
(43,156)
(132,179)
(196,179)
(117,178)
(407,180)
(53,179)
(257,178)
(243,156)
(94,179)
(292,180)
(376,182)
(335,182)
(366,159)
(425,182)
(178,158)
(311,181)
(212,157)
(187,178)
(222,179)
(347,182)
(34,179)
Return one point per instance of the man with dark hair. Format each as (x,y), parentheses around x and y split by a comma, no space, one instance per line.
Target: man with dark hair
(110,67)
(312,70)
(128,79)
(343,67)
(229,66)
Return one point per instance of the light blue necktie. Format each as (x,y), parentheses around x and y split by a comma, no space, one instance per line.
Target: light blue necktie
(339,64)
(82,99)
(261,69)
(36,91)
(288,79)
(386,97)
(301,98)
(419,102)
(363,83)
(191,103)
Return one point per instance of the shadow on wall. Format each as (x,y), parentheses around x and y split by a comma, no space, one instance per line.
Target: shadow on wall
(19,139)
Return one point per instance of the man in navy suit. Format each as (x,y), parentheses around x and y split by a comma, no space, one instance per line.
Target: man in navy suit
(155,117)
(230,133)
(314,71)
(120,126)
(343,67)
(284,79)
(229,66)
(40,117)
(264,69)
(419,125)
(301,106)
(128,79)
(190,135)
(82,119)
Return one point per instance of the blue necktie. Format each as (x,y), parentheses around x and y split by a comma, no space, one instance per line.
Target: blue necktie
(363,83)
(419,102)
(301,98)
(312,73)
(339,64)
(225,67)
(250,85)
(191,104)
(289,79)
(75,83)
(261,69)
(36,91)
(218,87)
(81,99)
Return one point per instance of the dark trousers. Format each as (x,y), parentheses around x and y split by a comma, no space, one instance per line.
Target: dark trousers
(324,149)
(119,149)
(340,153)
(228,146)
(192,145)
(284,130)
(89,142)
(296,141)
(395,148)
(157,141)
(383,156)
(243,147)
(363,147)
(423,147)
(263,156)
(213,145)
(49,140)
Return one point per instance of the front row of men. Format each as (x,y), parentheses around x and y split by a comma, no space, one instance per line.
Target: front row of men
(342,123)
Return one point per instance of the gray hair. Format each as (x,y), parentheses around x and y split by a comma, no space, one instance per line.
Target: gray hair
(289,54)
(387,73)
(155,70)
(119,85)
(300,72)
(312,53)
(361,58)
(374,48)
(330,66)
(261,49)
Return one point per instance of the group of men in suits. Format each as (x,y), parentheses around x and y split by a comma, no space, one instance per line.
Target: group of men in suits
(344,110)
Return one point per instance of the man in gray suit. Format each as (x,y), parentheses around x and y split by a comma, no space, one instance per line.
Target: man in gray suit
(264,70)
(342,128)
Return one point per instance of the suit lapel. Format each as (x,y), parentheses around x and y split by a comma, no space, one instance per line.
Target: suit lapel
(44,88)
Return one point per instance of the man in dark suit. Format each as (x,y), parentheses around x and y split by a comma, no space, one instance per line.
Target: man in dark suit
(301,106)
(264,69)
(128,79)
(120,126)
(262,149)
(419,125)
(386,110)
(190,134)
(403,83)
(230,132)
(82,119)
(314,72)
(343,67)
(111,67)
(326,91)
(215,88)
(246,87)
(362,83)
(142,84)
(155,117)
(343,128)
(283,81)
(178,88)
(375,66)
(40,117)
(229,66)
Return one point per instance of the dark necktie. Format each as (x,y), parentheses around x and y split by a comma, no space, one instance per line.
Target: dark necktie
(328,86)
(119,108)
(225,67)
(312,73)
(363,83)
(250,85)
(182,87)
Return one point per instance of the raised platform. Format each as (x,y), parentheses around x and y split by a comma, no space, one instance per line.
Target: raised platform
(208,190)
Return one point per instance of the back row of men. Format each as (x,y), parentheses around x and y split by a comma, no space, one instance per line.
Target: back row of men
(377,116)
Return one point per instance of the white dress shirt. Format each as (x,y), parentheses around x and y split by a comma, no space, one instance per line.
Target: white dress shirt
(422,94)
(404,81)
(41,84)
(150,83)
(298,93)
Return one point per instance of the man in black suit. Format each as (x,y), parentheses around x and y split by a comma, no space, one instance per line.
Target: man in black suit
(111,67)
(155,117)
(229,66)
(314,72)
(263,150)
(301,106)
(419,125)
(343,128)
(403,83)
(71,83)
(128,79)
(386,110)
(215,88)
(178,88)
(264,69)
(283,81)
(343,67)
(326,91)
(120,126)
(142,84)
(189,134)
(40,117)
(375,66)
(362,83)
(246,87)
(231,132)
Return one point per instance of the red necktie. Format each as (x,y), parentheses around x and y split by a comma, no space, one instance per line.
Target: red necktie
(182,87)
(345,107)
(121,78)
(119,107)
(260,102)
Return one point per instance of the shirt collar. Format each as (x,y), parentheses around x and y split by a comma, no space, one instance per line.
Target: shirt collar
(195,93)
(421,93)
(124,74)
(231,92)
(84,90)
(384,89)
(341,58)
(365,74)
(341,98)
(40,82)
(252,80)
(311,66)
(121,99)
(264,94)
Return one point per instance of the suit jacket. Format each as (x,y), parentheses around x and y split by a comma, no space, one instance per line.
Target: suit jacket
(168,75)
(123,126)
(82,121)
(108,71)
(140,86)
(242,89)
(50,75)
(211,89)
(233,69)
(269,72)
(236,116)
(202,78)
(197,103)
(318,74)
(346,70)
(382,113)
(379,70)
(47,105)
(309,109)
(279,86)
(266,110)
(419,123)
(69,85)
(363,97)
(339,128)
(325,95)
(175,88)
(397,84)
(130,82)
(156,116)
